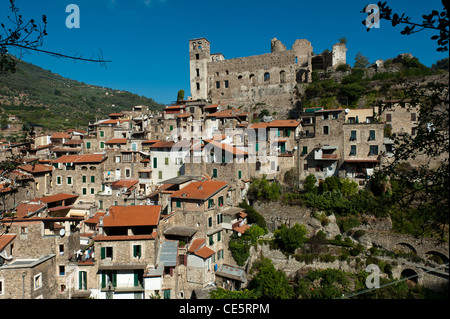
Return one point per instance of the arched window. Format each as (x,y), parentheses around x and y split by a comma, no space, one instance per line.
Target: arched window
(266,76)
(252,79)
(258,166)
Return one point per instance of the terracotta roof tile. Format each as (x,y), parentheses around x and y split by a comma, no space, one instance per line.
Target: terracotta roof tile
(199,190)
(205,252)
(88,158)
(284,123)
(5,239)
(140,215)
(57,197)
(196,244)
(23,209)
(124,183)
(38,168)
(117,141)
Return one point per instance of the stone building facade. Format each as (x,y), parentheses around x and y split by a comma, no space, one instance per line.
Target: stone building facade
(269,78)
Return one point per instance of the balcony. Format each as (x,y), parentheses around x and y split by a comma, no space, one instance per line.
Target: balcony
(326,153)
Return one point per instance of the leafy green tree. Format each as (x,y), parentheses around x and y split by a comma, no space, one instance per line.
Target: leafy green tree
(262,189)
(289,239)
(309,184)
(418,194)
(361,61)
(330,184)
(180,95)
(270,283)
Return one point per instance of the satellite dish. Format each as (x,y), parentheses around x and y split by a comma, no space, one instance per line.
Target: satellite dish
(346,111)
(62,232)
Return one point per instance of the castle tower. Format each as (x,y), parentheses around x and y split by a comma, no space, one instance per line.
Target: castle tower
(339,54)
(199,56)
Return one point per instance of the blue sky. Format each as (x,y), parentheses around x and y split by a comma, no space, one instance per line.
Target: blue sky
(147,40)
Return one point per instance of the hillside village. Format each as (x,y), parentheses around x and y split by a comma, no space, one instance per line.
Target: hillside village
(142,204)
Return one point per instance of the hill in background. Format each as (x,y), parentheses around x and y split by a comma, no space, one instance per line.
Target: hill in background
(41,97)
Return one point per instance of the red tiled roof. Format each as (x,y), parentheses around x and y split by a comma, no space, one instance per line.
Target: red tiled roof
(117,141)
(160,144)
(125,237)
(196,244)
(205,252)
(88,158)
(57,197)
(140,215)
(284,123)
(124,183)
(94,219)
(199,190)
(149,141)
(227,147)
(23,209)
(60,135)
(38,168)
(5,239)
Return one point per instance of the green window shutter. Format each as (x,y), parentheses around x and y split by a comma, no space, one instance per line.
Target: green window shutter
(221,201)
(166,161)
(155,162)
(171,127)
(288,132)
(257,147)
(167,294)
(218,236)
(136,278)
(160,176)
(103,279)
(84,191)
(92,179)
(239,174)
(371,135)
(210,221)
(88,145)
(305,150)
(114,278)
(211,240)
(58,180)
(102,144)
(80,280)
(214,172)
(84,178)
(103,253)
(178,204)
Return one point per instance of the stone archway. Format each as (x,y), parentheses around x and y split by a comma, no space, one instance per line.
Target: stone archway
(437,257)
(405,248)
(407,272)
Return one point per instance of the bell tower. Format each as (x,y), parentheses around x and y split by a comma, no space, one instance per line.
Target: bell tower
(199,56)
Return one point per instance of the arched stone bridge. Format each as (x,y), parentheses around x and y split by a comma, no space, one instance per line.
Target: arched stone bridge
(426,248)
(432,252)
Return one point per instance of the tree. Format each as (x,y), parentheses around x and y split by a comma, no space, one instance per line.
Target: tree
(180,96)
(361,61)
(270,283)
(289,239)
(24,36)
(435,21)
(309,185)
(343,40)
(418,194)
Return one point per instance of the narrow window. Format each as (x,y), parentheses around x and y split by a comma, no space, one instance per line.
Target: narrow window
(198,86)
(226,83)
(326,130)
(353,150)
(217,84)
(266,77)
(353,136)
(388,117)
(371,135)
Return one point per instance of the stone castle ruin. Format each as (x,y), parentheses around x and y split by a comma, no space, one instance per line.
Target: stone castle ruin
(267,79)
